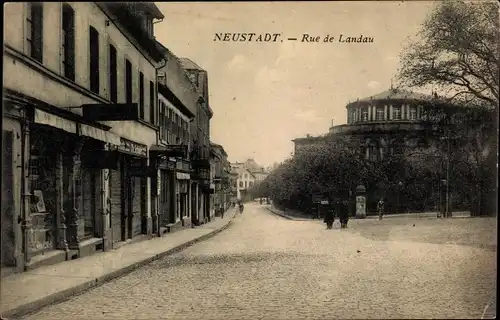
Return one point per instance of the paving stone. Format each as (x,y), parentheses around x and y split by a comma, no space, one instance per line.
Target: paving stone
(267,267)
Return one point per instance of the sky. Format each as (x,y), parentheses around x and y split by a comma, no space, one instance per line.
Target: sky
(265,94)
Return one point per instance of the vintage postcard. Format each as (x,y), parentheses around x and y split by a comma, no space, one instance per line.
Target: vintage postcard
(250,160)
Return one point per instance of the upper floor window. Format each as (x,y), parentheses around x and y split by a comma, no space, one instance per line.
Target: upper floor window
(34,31)
(379,113)
(68,41)
(241,184)
(364,114)
(94,59)
(113,75)
(396,113)
(413,113)
(128,81)
(351,116)
(246,176)
(161,118)
(141,95)
(152,99)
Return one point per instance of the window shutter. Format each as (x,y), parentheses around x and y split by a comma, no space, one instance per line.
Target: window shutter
(37,20)
(70,37)
(152,103)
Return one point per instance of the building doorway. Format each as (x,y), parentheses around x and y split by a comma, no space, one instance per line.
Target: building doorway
(8,235)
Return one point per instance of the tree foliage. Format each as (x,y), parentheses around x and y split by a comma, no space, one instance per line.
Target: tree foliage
(457,53)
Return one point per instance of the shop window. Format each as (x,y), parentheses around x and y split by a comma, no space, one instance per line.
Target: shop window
(34,31)
(68,41)
(141,95)
(128,82)
(113,75)
(42,186)
(94,59)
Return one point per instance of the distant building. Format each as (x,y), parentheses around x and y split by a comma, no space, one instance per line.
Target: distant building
(388,124)
(200,150)
(249,173)
(220,177)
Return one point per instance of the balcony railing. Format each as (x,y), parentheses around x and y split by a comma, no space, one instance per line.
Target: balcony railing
(380,127)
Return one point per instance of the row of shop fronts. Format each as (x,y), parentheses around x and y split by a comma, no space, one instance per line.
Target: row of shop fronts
(71,187)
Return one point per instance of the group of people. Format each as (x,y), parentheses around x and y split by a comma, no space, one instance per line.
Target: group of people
(241,207)
(344,215)
(330,218)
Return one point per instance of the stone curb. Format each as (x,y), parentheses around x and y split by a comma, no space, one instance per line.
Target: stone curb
(66,294)
(288,217)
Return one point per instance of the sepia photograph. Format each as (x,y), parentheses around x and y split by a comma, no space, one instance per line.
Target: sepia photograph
(212,160)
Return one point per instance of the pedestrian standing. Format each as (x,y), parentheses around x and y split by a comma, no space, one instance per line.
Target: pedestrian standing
(343,215)
(329,218)
(380,208)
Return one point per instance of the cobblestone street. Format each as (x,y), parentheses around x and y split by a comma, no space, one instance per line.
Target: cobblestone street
(267,267)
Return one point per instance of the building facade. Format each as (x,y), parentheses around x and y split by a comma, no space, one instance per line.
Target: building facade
(77,136)
(200,147)
(178,100)
(388,124)
(220,178)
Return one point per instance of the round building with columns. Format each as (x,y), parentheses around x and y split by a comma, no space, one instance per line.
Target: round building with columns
(390,122)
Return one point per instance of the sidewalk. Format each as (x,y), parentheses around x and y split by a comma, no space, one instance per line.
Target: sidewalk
(29,291)
(293,215)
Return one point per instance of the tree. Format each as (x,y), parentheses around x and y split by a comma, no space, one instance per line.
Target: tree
(458,53)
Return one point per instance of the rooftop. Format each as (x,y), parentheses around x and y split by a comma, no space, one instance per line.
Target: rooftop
(397,94)
(189,64)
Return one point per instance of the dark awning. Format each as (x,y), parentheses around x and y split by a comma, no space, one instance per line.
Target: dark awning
(174,151)
(201,164)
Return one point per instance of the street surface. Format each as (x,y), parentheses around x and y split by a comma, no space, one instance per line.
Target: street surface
(267,267)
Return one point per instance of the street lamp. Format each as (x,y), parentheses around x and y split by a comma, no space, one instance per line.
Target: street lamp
(447,180)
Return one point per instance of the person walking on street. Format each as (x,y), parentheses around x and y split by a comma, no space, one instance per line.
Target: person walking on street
(241,207)
(329,218)
(343,214)
(380,209)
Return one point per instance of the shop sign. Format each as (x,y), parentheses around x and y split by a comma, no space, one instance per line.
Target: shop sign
(133,148)
(54,121)
(99,134)
(158,183)
(182,176)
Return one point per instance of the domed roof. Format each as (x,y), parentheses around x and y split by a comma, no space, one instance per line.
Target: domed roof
(397,94)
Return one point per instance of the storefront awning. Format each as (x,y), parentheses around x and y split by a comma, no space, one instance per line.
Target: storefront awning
(182,176)
(49,119)
(99,134)
(179,151)
(42,117)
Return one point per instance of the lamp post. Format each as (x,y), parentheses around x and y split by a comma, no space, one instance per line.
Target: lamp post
(446,181)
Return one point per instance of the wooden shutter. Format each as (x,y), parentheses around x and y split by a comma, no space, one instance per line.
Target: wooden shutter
(37,30)
(152,99)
